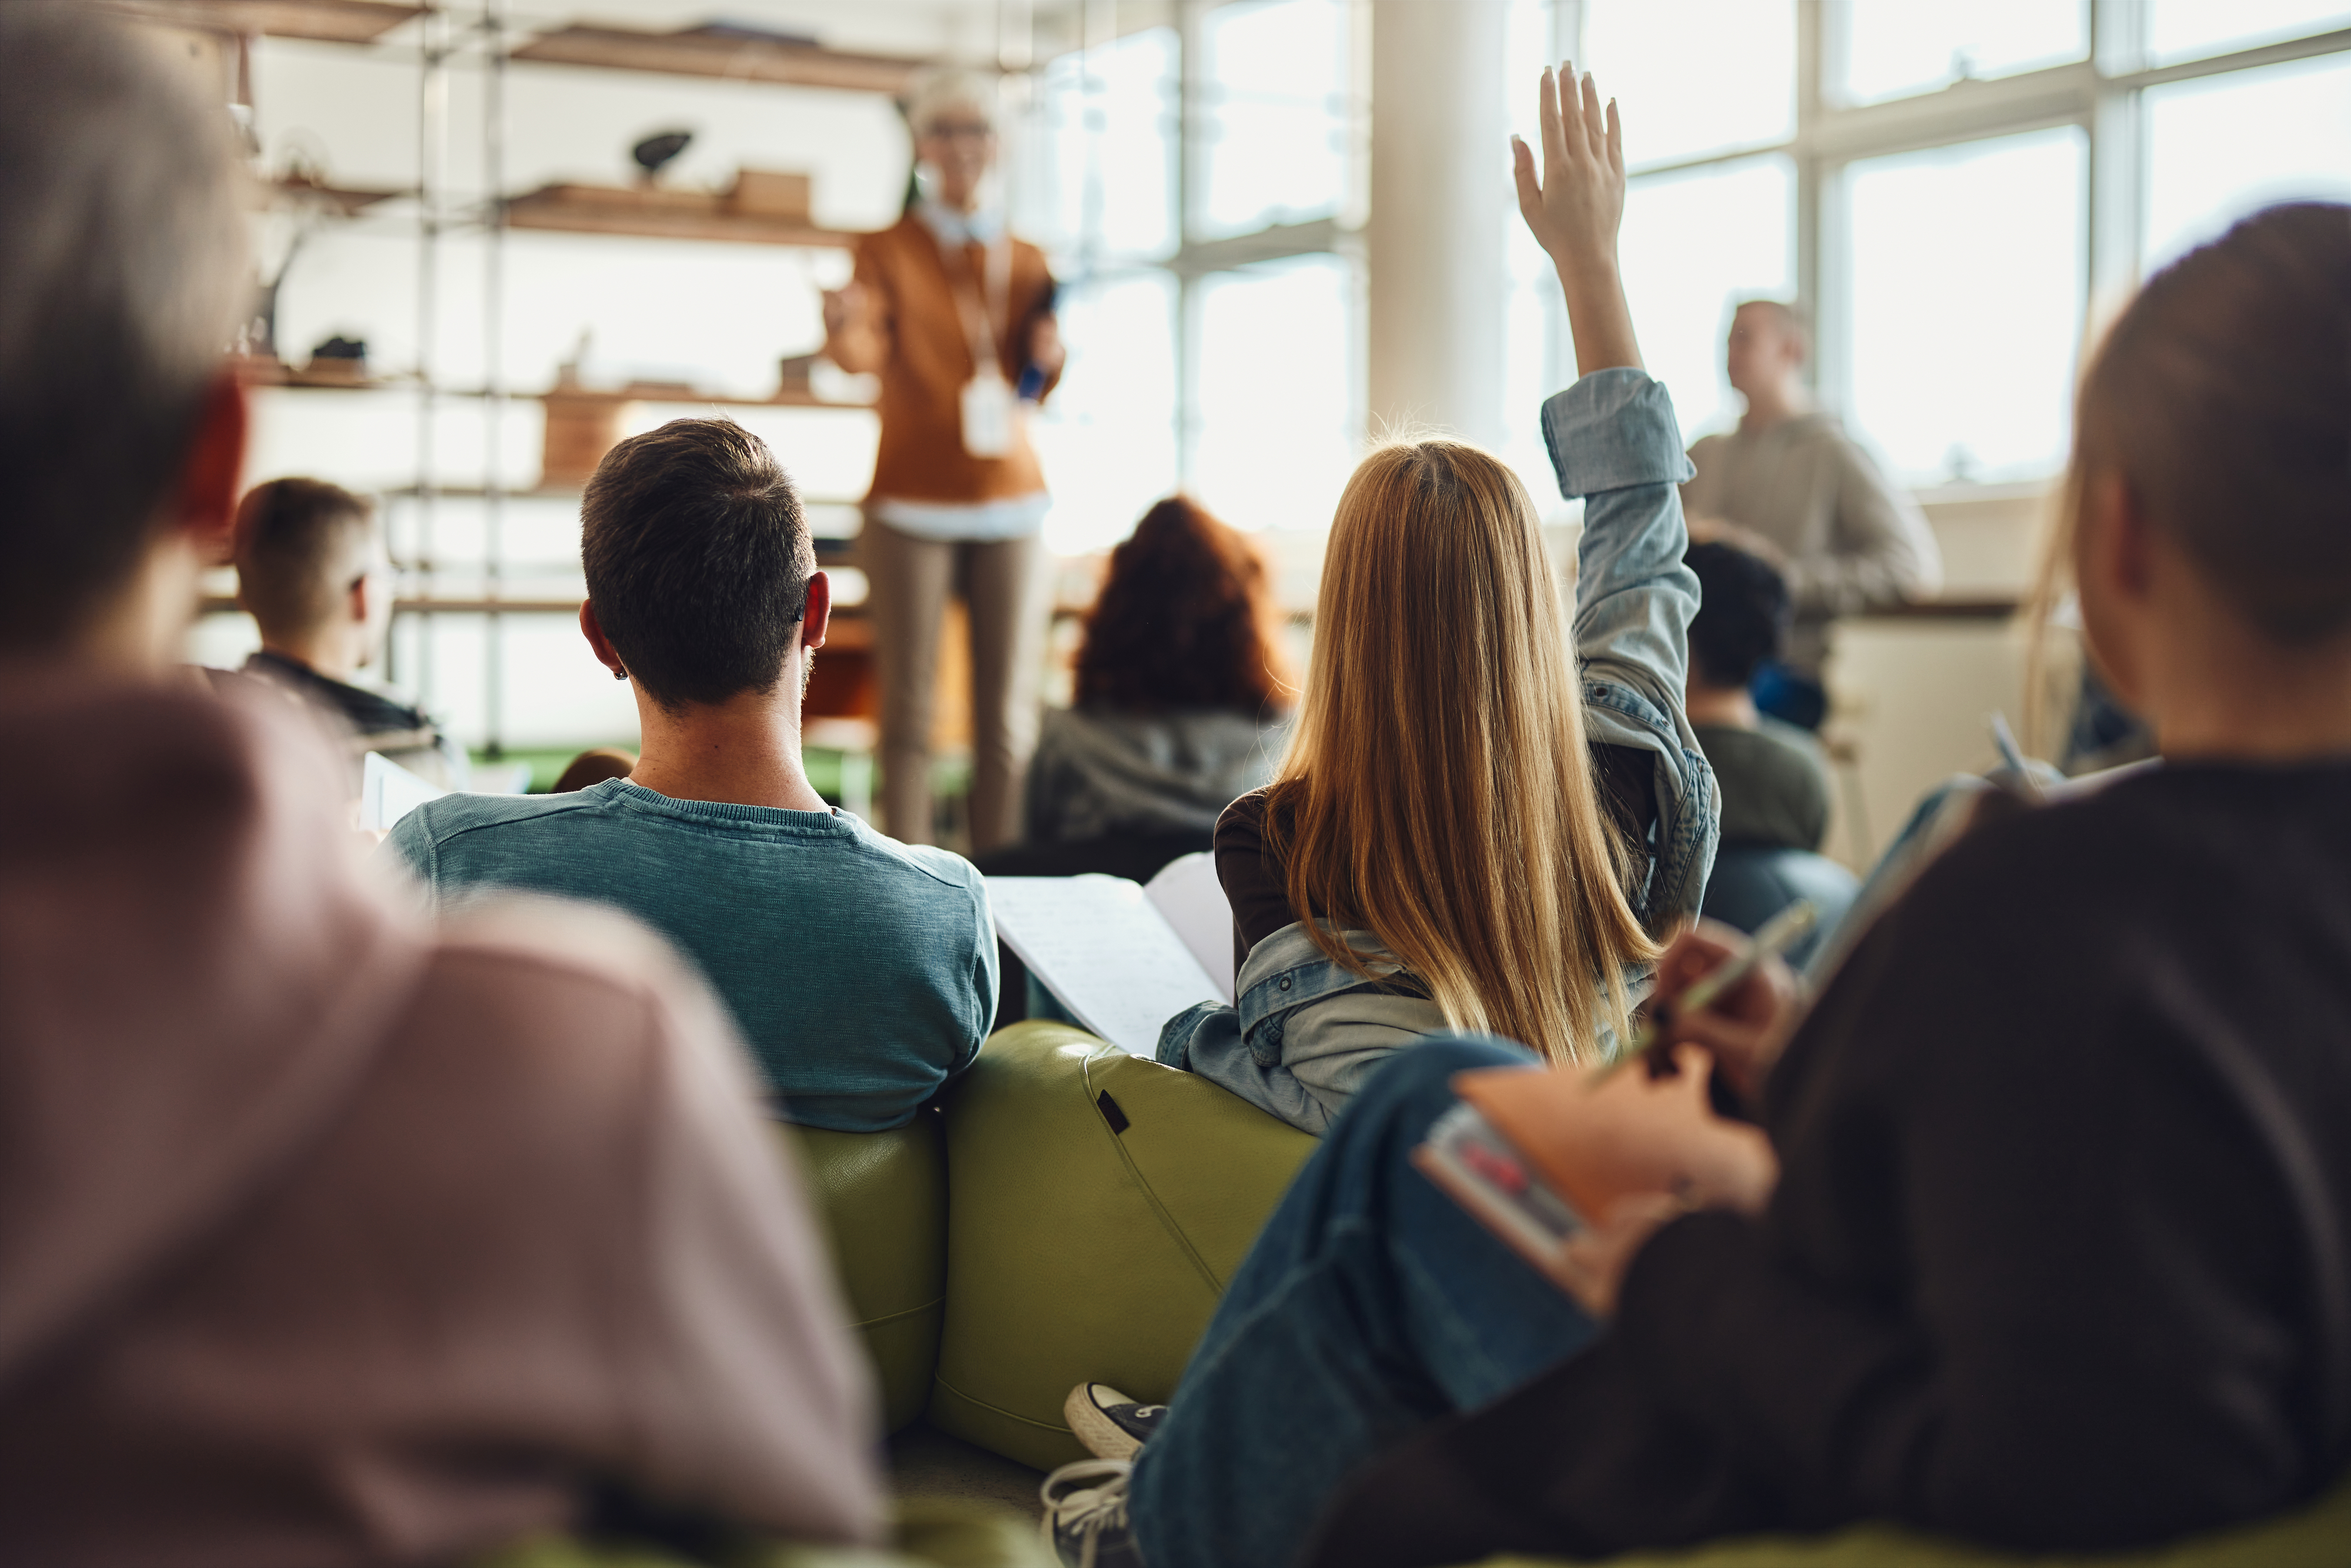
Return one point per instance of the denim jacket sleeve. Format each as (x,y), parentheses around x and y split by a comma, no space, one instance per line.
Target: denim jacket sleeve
(1613,442)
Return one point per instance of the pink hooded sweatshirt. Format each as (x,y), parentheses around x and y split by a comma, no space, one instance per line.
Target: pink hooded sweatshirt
(330,1238)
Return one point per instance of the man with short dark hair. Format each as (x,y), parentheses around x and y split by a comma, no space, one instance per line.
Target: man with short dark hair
(1789,475)
(312,572)
(329,1237)
(1775,784)
(862,970)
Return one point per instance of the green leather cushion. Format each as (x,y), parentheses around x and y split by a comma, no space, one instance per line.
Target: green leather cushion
(884,1196)
(1077,1253)
(2317,1536)
(925,1535)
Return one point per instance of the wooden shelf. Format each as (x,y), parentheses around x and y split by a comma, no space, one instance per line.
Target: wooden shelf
(327,21)
(564,208)
(783,397)
(699,53)
(343,201)
(274,373)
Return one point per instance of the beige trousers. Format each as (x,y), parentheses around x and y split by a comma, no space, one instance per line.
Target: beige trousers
(1003,584)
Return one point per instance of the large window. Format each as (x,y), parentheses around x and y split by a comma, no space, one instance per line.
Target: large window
(2221,147)
(1892,49)
(1696,243)
(1965,176)
(1196,185)
(1964,277)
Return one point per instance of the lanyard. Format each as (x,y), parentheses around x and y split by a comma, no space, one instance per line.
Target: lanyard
(979,316)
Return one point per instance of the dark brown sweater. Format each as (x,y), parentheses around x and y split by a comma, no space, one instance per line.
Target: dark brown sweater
(2058,1258)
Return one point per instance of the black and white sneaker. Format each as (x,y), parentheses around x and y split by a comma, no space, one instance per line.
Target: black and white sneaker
(1085,1515)
(1108,1423)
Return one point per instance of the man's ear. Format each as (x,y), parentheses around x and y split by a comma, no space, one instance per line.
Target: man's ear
(818,613)
(601,645)
(203,508)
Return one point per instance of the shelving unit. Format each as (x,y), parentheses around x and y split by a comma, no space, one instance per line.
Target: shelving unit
(435,35)
(321,21)
(562,208)
(727,54)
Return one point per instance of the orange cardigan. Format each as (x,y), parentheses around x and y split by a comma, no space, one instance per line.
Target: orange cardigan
(912,304)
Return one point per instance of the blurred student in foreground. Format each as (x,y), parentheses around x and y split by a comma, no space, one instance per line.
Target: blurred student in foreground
(863,971)
(312,572)
(1182,702)
(328,1239)
(2059,1255)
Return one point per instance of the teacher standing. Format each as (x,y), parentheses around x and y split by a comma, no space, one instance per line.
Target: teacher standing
(956,317)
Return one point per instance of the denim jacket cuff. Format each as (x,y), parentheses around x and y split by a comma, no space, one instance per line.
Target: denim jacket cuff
(1613,430)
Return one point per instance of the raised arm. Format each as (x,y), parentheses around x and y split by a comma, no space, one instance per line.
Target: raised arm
(1574,210)
(1614,442)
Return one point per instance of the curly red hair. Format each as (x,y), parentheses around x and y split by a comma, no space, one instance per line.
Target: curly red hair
(1185,620)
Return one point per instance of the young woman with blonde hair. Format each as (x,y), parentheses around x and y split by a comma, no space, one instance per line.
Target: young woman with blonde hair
(2059,1254)
(1489,811)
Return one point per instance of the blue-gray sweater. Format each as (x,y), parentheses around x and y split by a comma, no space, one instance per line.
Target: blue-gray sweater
(862,971)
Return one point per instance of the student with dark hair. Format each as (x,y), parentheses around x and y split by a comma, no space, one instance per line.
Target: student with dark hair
(2051,1247)
(1182,701)
(330,1237)
(1775,789)
(863,971)
(312,572)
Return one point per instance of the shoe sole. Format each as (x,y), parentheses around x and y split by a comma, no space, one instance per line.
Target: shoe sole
(1103,1438)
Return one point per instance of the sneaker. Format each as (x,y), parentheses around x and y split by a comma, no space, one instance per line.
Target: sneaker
(1108,1423)
(1085,1515)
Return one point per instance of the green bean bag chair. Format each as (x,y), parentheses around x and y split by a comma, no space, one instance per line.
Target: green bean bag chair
(884,1196)
(2316,1536)
(927,1535)
(1097,1203)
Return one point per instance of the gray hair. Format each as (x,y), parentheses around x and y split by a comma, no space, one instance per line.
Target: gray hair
(121,277)
(942,93)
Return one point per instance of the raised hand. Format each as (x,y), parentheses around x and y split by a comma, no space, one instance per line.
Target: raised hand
(1573,209)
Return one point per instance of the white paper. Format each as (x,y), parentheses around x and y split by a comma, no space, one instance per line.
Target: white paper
(388,791)
(1104,950)
(1187,892)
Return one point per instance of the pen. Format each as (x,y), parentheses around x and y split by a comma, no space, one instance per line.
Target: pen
(1779,933)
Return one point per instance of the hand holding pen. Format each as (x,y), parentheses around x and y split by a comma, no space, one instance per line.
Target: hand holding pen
(1729,993)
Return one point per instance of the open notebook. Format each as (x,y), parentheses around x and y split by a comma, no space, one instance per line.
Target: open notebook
(388,791)
(1124,959)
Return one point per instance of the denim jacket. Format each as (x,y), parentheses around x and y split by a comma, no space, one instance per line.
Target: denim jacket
(1306,1031)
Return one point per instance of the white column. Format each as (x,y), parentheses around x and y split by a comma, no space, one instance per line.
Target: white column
(1440,192)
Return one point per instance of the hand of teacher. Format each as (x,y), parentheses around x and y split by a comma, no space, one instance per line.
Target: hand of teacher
(844,309)
(1046,350)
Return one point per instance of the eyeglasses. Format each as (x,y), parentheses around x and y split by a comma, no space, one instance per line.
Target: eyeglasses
(961,131)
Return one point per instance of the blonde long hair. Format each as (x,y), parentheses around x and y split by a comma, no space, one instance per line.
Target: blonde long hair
(1437,791)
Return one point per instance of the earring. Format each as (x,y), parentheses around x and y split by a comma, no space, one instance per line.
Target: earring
(619,675)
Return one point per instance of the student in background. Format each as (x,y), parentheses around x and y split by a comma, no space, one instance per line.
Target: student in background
(1853,540)
(312,572)
(1774,785)
(862,970)
(330,1238)
(1491,807)
(1182,702)
(2059,1256)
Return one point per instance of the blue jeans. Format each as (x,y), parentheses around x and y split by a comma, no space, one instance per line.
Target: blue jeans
(1371,1305)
